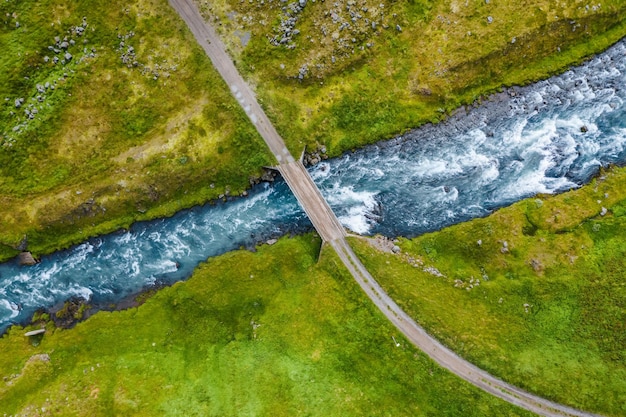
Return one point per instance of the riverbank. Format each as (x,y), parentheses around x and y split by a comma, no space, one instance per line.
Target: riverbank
(532,293)
(134,124)
(249,333)
(168,158)
(346,74)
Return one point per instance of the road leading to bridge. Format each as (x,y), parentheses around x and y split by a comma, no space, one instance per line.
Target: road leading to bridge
(331,231)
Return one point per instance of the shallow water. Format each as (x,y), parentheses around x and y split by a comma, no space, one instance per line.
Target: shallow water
(521,142)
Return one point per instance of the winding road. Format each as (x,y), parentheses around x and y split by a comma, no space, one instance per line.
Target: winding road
(331,231)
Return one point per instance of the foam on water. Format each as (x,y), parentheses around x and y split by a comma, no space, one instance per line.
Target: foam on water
(545,138)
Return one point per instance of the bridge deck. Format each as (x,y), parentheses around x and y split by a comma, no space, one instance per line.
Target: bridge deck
(298,179)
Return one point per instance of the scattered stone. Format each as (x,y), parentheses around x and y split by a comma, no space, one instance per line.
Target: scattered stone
(505,247)
(603,211)
(68,56)
(433,271)
(271,241)
(489,19)
(398,28)
(395,249)
(479,242)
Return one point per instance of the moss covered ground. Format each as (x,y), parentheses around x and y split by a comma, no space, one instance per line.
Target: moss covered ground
(136,124)
(267,333)
(348,72)
(534,293)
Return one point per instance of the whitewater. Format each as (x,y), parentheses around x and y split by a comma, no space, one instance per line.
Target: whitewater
(545,138)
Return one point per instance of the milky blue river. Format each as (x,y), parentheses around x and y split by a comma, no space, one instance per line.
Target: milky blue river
(545,138)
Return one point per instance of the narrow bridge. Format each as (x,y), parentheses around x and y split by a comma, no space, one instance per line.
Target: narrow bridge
(331,231)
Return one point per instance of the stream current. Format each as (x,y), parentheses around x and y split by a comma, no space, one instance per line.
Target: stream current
(545,138)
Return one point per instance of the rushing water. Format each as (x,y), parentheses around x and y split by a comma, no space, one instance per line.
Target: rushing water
(545,138)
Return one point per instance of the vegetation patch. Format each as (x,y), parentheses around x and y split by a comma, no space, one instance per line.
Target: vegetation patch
(535,293)
(110,113)
(352,72)
(266,333)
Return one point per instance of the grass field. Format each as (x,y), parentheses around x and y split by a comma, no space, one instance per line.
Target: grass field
(272,333)
(534,293)
(136,124)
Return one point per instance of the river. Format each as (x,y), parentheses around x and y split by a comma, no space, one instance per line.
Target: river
(545,138)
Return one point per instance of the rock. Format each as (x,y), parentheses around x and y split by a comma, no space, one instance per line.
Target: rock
(395,249)
(70,313)
(398,28)
(26,258)
(536,265)
(489,19)
(603,211)
(505,247)
(271,241)
(268,176)
(68,56)
(584,129)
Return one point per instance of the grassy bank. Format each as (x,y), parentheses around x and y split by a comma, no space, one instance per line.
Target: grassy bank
(266,333)
(534,293)
(355,72)
(111,113)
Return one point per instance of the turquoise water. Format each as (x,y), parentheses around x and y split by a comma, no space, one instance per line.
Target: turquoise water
(521,142)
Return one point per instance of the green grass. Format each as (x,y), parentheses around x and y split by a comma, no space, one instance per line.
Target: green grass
(266,333)
(547,315)
(111,144)
(446,55)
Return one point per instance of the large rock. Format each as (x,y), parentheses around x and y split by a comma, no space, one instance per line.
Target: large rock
(26,258)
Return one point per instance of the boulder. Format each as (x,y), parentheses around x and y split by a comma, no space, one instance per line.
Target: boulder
(26,258)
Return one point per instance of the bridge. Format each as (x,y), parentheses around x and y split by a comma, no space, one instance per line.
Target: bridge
(332,232)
